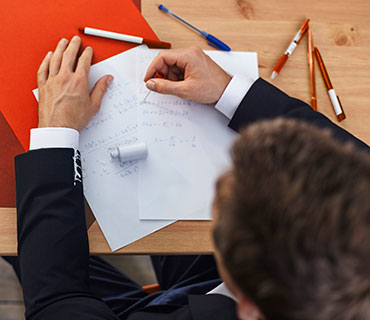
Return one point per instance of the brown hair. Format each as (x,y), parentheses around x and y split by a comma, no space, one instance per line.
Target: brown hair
(294,234)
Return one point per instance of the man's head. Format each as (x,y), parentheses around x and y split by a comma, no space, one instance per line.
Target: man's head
(292,223)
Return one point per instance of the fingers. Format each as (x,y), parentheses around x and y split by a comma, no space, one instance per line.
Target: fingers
(99,90)
(175,74)
(64,57)
(56,59)
(165,60)
(177,88)
(84,62)
(43,72)
(156,66)
(70,54)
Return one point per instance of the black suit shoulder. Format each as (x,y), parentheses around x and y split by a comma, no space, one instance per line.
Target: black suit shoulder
(264,101)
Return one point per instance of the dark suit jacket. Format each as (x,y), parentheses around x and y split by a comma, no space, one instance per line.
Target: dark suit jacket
(52,239)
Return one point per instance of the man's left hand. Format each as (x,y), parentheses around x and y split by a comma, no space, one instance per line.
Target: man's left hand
(63,82)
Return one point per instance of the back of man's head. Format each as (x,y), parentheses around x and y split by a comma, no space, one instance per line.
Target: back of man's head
(294,234)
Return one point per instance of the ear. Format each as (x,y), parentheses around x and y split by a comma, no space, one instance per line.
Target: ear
(247,310)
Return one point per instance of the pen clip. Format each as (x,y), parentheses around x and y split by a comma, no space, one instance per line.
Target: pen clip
(305,26)
(214,45)
(303,30)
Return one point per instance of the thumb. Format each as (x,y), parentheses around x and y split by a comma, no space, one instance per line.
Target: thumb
(99,90)
(166,86)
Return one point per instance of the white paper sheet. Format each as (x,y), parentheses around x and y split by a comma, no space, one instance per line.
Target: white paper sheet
(111,188)
(188,144)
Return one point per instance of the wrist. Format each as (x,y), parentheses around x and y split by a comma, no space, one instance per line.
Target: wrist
(57,124)
(63,118)
(223,85)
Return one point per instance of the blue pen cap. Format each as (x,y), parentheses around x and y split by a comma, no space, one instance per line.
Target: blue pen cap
(217,43)
(163,8)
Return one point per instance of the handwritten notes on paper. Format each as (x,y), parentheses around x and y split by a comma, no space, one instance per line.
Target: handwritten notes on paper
(111,187)
(188,144)
(188,148)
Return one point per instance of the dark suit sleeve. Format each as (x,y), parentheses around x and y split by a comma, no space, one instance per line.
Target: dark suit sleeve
(264,101)
(200,307)
(52,239)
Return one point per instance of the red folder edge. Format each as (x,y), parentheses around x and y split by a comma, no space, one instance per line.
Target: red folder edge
(10,147)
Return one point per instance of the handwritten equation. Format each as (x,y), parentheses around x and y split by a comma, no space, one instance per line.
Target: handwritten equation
(163,124)
(94,144)
(164,112)
(114,125)
(174,141)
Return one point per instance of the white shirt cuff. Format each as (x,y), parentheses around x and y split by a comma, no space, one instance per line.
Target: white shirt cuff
(233,95)
(54,138)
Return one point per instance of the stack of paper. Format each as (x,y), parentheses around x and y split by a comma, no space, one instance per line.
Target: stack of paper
(188,148)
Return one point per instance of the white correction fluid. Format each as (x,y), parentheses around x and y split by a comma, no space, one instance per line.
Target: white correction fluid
(135,151)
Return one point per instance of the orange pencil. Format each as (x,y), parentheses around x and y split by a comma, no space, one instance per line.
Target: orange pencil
(337,106)
(311,66)
(159,75)
(296,40)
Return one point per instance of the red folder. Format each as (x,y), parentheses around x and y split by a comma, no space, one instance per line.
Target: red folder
(29,29)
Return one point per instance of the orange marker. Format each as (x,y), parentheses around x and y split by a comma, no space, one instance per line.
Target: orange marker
(311,66)
(296,40)
(156,75)
(337,106)
(159,75)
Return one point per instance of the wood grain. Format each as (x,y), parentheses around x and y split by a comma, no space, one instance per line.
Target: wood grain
(180,237)
(341,30)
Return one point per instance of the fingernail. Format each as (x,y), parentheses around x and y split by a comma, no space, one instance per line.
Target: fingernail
(110,80)
(75,38)
(49,54)
(150,85)
(63,41)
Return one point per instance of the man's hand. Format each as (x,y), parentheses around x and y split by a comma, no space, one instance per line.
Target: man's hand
(64,99)
(190,74)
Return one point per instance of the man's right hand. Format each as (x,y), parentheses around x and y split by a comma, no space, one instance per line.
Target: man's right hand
(190,74)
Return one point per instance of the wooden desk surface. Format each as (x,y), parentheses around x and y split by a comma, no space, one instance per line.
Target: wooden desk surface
(341,30)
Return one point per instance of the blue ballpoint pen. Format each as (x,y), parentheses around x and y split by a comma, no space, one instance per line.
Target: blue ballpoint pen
(212,41)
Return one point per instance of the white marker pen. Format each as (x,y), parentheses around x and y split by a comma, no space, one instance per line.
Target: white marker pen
(125,37)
